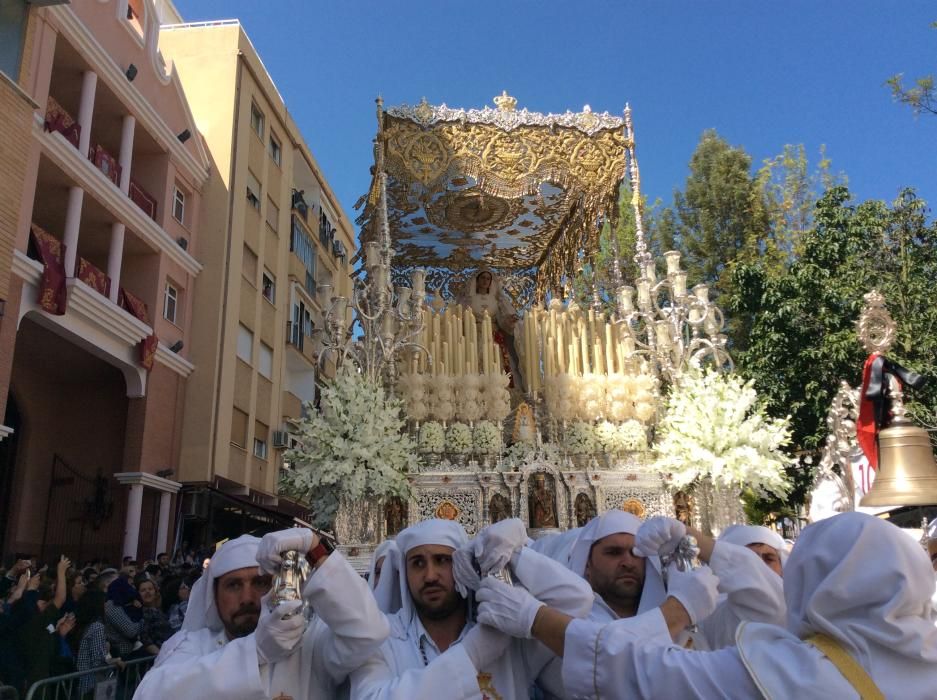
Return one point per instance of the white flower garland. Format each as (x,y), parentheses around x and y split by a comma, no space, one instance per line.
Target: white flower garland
(714,428)
(355,448)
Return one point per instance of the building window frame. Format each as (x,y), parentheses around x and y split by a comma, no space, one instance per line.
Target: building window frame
(253,198)
(274,149)
(170,302)
(257,120)
(260,448)
(269,286)
(14,35)
(178,205)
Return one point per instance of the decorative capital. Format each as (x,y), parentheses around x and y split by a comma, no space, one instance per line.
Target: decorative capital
(505,102)
(876,327)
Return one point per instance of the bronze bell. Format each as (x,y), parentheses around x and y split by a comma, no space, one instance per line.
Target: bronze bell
(907,473)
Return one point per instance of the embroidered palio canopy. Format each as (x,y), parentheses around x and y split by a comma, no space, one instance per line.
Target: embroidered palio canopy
(515,191)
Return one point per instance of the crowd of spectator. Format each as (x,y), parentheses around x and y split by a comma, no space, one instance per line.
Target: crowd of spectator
(60,618)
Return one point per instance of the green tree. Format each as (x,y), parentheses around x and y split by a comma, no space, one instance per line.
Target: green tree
(920,97)
(804,340)
(718,221)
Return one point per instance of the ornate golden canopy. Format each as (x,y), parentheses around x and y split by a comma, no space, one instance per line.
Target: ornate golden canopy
(515,191)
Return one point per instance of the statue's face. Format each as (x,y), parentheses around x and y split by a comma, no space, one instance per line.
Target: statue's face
(483,283)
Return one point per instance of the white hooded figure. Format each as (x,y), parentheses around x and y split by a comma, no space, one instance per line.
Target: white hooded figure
(749,560)
(435,649)
(233,646)
(859,624)
(383,576)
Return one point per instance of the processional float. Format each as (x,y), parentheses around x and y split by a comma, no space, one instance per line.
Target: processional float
(473,230)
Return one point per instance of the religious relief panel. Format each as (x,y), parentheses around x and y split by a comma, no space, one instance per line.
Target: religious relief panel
(643,502)
(635,507)
(499,508)
(584,509)
(541,501)
(395,516)
(457,505)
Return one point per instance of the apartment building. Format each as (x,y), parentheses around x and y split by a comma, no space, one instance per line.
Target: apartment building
(276,245)
(100,195)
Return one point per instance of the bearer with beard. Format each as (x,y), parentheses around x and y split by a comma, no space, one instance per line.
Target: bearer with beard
(232,645)
(435,649)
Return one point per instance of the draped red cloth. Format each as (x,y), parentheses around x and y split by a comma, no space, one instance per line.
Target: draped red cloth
(866,426)
(93,277)
(137,308)
(53,297)
(57,119)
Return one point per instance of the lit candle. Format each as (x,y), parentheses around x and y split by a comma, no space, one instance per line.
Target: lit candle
(445,353)
(673,261)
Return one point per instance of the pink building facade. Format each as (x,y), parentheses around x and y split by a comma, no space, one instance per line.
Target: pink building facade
(100,301)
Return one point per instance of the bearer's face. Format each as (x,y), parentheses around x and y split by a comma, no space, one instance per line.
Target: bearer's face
(614,570)
(430,580)
(237,595)
(769,555)
(932,551)
(378,565)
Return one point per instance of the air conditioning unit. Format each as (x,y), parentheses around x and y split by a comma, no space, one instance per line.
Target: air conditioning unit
(281,439)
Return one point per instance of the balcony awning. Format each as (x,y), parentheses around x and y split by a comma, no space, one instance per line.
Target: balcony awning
(519,192)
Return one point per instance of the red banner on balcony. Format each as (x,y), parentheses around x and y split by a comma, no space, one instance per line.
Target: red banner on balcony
(137,308)
(93,277)
(53,297)
(142,199)
(105,162)
(57,119)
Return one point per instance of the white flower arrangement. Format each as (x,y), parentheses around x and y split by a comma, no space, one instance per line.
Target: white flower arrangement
(521,453)
(632,436)
(714,428)
(487,438)
(432,437)
(355,448)
(459,439)
(580,438)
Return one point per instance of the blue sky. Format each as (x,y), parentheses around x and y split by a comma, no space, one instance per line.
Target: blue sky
(762,73)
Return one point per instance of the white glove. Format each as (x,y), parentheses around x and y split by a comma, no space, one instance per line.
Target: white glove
(280,631)
(275,543)
(463,570)
(659,535)
(484,645)
(697,591)
(496,545)
(510,609)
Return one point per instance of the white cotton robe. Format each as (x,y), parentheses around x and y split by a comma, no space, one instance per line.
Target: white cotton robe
(397,672)
(877,610)
(346,629)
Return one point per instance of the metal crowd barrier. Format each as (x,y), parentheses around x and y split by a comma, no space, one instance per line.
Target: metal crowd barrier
(65,687)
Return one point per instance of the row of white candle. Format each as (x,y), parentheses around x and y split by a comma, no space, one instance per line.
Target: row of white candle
(459,343)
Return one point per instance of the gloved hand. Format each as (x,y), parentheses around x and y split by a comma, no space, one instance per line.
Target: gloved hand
(279,631)
(510,609)
(659,535)
(496,545)
(697,591)
(484,645)
(273,544)
(463,569)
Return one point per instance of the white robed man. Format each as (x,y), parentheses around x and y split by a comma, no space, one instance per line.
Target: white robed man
(747,561)
(232,645)
(383,576)
(435,649)
(624,583)
(859,625)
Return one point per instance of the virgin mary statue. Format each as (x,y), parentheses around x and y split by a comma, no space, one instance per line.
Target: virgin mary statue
(482,292)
